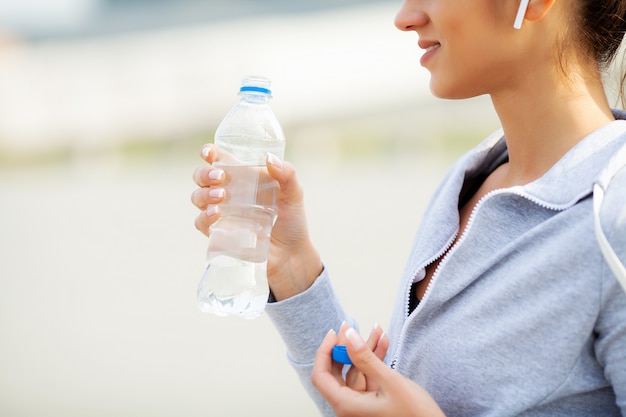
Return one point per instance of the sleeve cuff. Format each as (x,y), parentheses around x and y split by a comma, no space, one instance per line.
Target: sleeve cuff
(304,319)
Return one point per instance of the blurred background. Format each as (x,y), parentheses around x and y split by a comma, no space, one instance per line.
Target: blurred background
(104,105)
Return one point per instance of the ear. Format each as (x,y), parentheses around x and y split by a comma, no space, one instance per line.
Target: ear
(537,9)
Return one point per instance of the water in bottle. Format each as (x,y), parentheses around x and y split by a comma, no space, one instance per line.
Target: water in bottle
(235,278)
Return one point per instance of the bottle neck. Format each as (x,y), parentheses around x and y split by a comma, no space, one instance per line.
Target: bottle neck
(254,97)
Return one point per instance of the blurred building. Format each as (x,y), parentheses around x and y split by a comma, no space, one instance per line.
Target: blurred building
(43,19)
(97,73)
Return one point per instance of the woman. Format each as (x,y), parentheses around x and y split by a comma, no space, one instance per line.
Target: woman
(507,307)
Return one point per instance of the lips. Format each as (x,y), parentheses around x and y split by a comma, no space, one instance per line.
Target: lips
(428,45)
(429,48)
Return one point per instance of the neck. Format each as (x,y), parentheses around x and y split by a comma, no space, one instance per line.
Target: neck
(544,118)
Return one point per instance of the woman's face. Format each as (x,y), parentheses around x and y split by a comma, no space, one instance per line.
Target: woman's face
(471,47)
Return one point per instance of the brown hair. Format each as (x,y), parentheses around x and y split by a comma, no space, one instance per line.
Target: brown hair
(601,25)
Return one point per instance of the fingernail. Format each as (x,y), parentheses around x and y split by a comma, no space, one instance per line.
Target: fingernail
(331,331)
(212,210)
(216,174)
(216,192)
(374,327)
(206,151)
(354,338)
(344,325)
(274,160)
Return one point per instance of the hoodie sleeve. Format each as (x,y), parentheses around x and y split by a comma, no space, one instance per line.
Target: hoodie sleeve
(302,321)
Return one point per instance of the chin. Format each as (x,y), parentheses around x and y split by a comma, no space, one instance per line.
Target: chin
(450,91)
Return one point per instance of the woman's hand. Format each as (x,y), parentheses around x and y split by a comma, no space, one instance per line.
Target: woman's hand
(293,263)
(374,389)
(378,343)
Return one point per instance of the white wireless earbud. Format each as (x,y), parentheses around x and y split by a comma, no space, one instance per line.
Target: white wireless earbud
(521,12)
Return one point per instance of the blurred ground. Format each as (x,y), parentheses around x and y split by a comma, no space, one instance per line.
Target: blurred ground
(97,298)
(99,265)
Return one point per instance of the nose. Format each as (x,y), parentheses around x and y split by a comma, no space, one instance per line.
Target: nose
(410,16)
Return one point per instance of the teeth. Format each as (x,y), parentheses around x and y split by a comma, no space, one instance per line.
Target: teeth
(430,48)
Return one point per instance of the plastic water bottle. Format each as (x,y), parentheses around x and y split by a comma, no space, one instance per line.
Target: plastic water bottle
(235,278)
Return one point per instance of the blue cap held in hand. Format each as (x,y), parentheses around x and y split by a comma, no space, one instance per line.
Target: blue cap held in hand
(340,354)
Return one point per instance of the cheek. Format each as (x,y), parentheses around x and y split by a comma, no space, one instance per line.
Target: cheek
(471,63)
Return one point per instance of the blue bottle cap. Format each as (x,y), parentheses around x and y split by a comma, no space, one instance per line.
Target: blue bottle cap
(340,354)
(255,89)
(256,84)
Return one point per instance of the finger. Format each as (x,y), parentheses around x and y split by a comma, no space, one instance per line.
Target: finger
(354,377)
(285,174)
(326,374)
(326,378)
(208,176)
(341,336)
(203,197)
(213,154)
(206,218)
(366,360)
(341,339)
(382,346)
(208,152)
(374,337)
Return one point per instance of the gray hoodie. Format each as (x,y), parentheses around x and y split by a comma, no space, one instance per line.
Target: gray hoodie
(523,316)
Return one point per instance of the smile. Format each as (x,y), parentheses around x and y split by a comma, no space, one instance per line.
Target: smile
(429,51)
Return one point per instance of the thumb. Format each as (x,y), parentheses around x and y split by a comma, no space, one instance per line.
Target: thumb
(365,359)
(285,174)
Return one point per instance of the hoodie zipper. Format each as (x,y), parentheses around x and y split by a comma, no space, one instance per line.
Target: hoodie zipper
(407,297)
(438,255)
(449,249)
